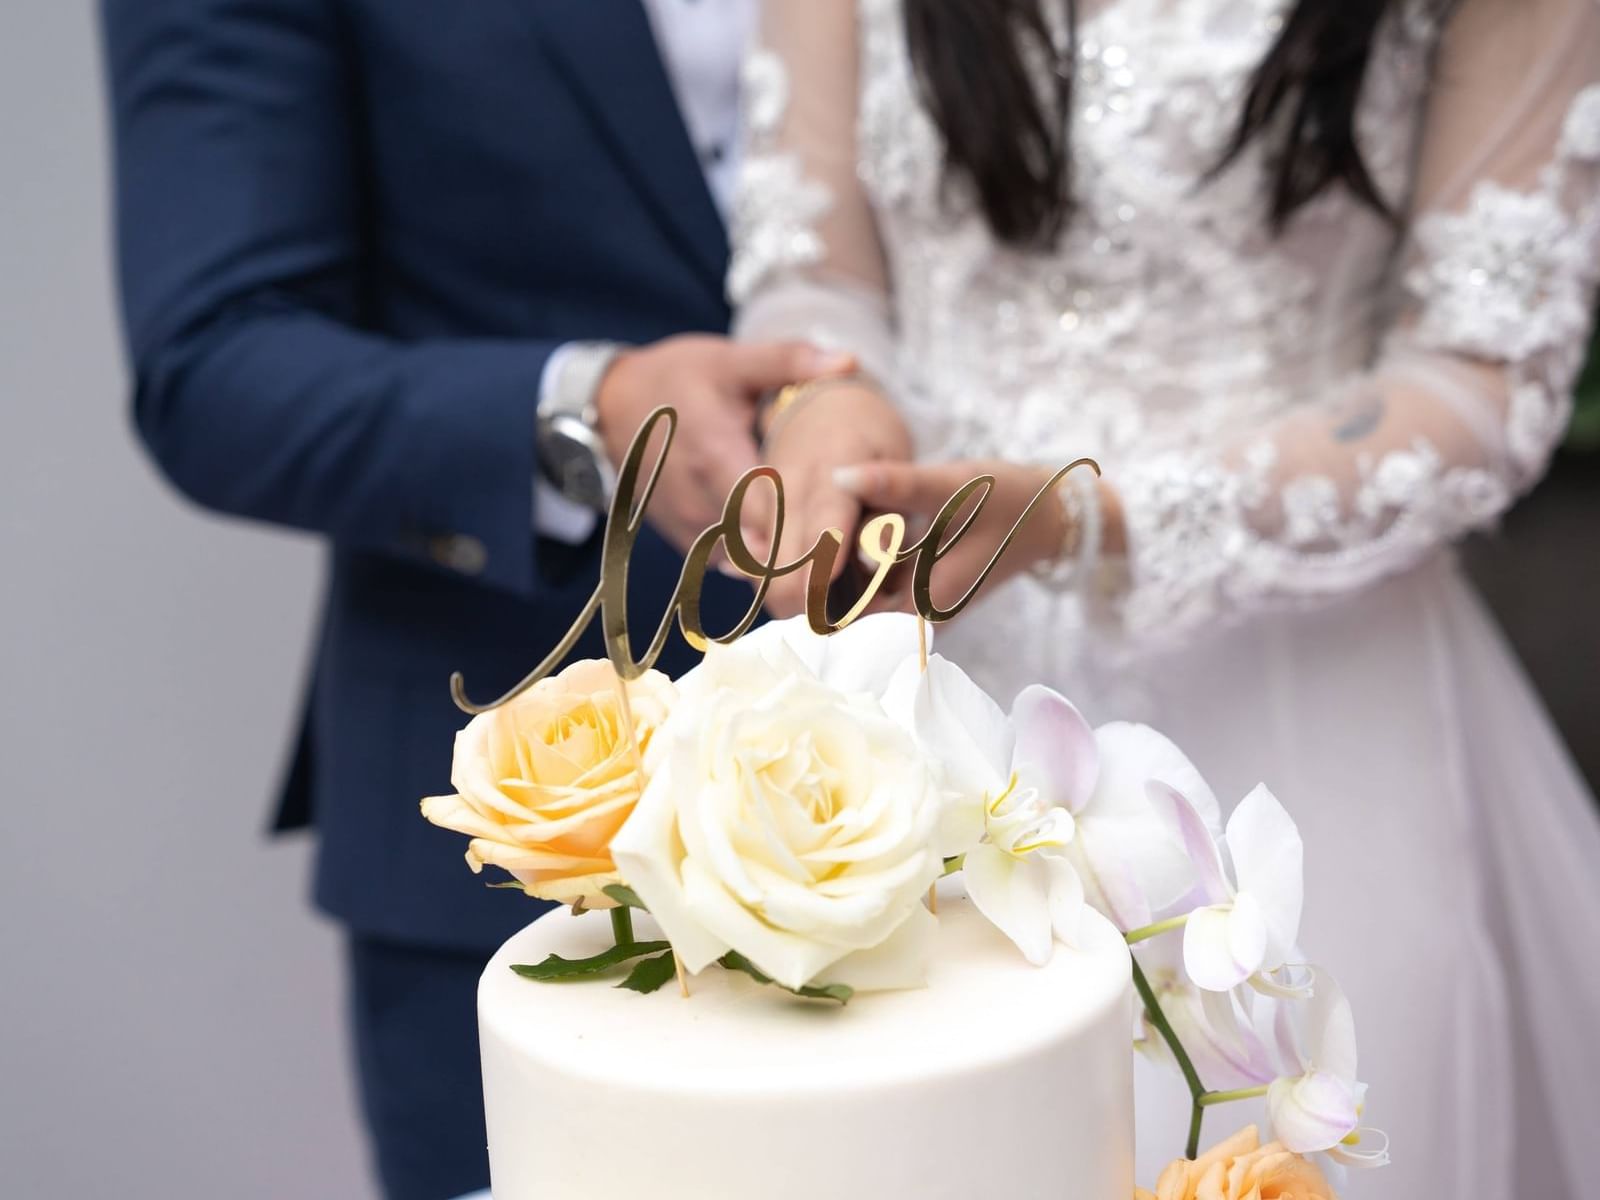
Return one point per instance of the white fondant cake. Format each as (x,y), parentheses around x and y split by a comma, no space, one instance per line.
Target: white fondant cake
(999,1079)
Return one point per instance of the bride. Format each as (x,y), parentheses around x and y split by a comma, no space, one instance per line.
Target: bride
(1311,281)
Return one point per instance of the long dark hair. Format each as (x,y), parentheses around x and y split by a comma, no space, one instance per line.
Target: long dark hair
(975,63)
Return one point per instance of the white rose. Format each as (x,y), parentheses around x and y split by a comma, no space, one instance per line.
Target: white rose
(787,816)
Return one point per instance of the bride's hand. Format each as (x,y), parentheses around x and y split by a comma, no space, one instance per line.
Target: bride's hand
(919,490)
(842,422)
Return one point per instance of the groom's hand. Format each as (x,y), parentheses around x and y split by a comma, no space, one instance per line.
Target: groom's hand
(714,383)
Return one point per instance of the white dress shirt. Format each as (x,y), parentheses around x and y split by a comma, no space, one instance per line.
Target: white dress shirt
(702,44)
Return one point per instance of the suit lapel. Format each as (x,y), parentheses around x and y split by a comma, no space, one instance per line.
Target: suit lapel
(607,53)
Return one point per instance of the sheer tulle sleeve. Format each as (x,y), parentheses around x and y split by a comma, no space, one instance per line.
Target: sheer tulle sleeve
(1472,388)
(807,262)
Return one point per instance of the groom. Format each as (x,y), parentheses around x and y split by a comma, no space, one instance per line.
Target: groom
(377,257)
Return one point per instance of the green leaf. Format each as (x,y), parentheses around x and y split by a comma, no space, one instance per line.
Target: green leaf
(650,974)
(556,969)
(839,993)
(624,896)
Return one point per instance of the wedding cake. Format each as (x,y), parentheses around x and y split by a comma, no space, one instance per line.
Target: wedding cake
(996,1079)
(898,919)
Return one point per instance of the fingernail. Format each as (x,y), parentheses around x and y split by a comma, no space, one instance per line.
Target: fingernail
(847,479)
(831,362)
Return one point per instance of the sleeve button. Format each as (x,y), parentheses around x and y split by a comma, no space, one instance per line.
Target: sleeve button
(459,552)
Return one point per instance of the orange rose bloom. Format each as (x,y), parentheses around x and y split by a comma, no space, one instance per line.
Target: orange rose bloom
(544,782)
(1242,1169)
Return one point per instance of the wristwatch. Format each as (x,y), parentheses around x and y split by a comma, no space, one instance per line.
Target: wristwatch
(571,455)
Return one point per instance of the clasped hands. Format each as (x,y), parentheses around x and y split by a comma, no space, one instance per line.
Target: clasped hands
(841,448)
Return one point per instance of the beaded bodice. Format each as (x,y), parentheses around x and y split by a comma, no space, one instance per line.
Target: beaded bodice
(1168,312)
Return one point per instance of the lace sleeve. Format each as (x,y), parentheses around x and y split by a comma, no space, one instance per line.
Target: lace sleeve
(807,262)
(1472,389)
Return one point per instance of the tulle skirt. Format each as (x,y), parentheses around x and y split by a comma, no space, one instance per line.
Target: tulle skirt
(1452,864)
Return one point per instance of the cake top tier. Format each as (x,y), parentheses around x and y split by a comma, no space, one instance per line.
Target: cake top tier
(983,1004)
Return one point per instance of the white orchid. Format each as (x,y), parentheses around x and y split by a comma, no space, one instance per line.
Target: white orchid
(1003,782)
(1213,1027)
(1315,1102)
(1129,859)
(1245,928)
(1132,862)
(1299,1053)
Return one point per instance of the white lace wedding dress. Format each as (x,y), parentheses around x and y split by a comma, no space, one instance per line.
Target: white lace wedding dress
(1298,427)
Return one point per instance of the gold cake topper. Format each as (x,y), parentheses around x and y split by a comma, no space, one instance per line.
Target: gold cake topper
(882,541)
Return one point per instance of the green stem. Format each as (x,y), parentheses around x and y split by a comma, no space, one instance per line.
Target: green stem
(1249,1093)
(1197,1090)
(1145,932)
(622,925)
(954,864)
(1191,1148)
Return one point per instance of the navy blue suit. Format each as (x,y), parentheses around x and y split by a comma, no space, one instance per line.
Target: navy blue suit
(351,234)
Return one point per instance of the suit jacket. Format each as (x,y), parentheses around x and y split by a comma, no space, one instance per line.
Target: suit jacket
(351,233)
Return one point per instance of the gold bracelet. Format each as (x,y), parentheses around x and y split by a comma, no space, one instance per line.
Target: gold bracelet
(792,394)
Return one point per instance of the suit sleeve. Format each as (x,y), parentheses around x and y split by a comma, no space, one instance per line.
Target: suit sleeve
(245,274)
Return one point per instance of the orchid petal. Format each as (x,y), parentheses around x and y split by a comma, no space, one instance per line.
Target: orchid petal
(1268,863)
(1311,1112)
(1012,893)
(1110,884)
(962,814)
(1209,1025)
(1055,747)
(1223,944)
(1290,981)
(1197,841)
(1273,1021)
(1066,899)
(1121,822)
(858,658)
(863,655)
(1131,754)
(964,728)
(1347,1152)
(1330,1028)
(1244,1055)
(967,736)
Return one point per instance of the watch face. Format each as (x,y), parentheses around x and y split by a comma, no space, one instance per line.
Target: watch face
(572,462)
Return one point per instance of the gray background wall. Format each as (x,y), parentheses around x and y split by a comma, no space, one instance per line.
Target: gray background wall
(170,1009)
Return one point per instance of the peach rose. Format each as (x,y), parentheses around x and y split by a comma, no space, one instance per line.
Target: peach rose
(544,781)
(1242,1169)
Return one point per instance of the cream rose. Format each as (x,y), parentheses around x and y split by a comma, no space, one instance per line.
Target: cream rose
(787,816)
(544,782)
(1242,1169)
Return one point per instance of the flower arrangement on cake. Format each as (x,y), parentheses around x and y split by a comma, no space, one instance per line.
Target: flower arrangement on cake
(785,809)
